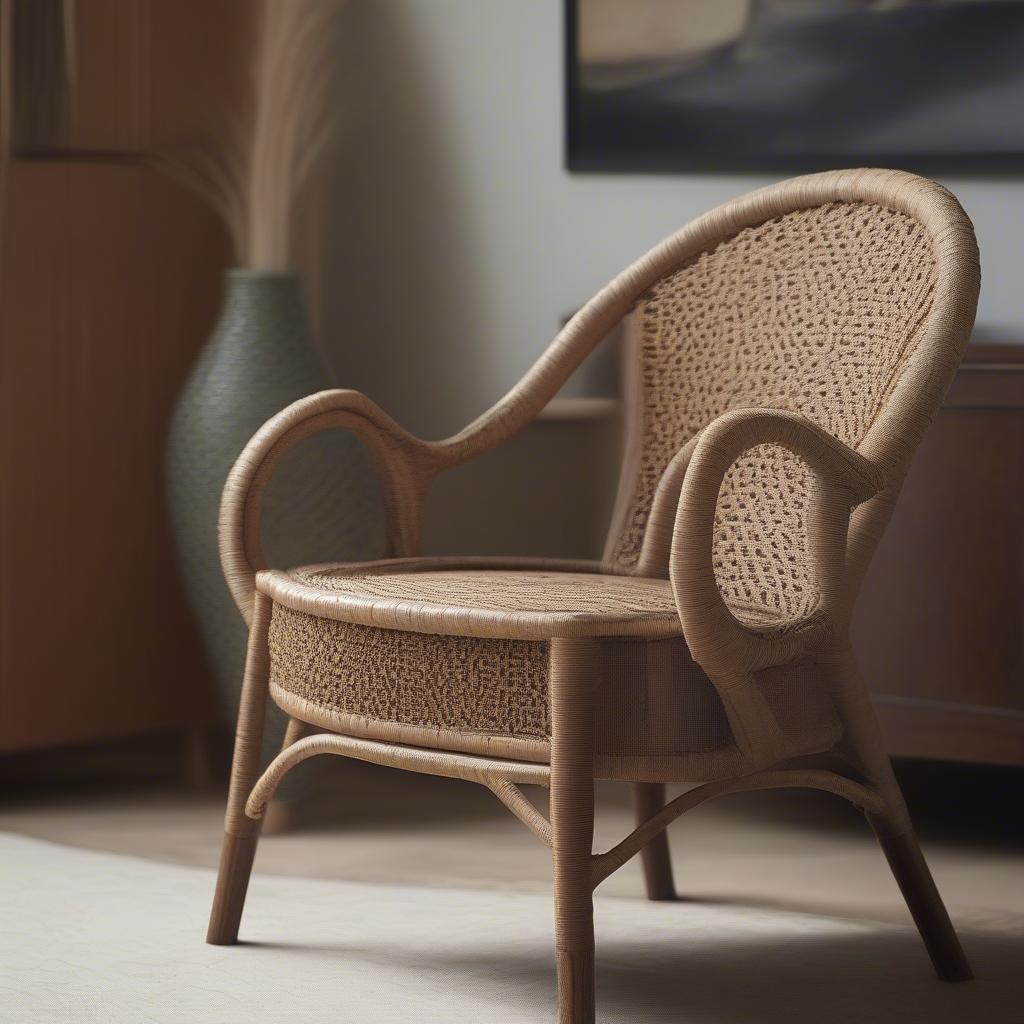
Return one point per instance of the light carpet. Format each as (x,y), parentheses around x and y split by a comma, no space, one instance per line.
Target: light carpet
(98,937)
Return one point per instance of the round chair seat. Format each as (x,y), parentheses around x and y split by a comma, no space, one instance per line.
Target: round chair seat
(480,598)
(456,655)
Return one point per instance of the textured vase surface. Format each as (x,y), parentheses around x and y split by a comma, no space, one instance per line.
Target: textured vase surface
(323,502)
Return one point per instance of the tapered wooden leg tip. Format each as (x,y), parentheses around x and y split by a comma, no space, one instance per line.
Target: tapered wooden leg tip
(232,883)
(575,987)
(958,978)
(956,972)
(662,895)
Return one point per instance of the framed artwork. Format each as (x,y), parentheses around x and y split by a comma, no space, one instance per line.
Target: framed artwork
(661,85)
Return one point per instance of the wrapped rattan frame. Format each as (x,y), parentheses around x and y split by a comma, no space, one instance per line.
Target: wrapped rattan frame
(854,495)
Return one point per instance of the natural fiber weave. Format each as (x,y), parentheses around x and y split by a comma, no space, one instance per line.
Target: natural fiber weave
(446,682)
(653,699)
(814,312)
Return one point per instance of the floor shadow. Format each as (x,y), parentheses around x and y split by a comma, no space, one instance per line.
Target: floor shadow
(977,805)
(970,805)
(882,977)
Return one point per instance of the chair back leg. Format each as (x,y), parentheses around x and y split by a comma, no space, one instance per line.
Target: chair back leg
(908,865)
(894,830)
(648,799)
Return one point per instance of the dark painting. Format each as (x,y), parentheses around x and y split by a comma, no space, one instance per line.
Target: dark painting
(751,84)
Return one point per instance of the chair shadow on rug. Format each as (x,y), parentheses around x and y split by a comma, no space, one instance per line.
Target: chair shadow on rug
(785,354)
(873,977)
(876,976)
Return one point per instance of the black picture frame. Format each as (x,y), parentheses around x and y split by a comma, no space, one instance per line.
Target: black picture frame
(586,151)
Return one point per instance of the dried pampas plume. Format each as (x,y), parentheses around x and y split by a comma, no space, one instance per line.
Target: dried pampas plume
(254,171)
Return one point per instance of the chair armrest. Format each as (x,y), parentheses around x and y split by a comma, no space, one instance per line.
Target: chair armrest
(406,464)
(843,479)
(403,463)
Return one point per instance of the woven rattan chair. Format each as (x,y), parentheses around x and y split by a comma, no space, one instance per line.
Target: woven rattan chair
(787,350)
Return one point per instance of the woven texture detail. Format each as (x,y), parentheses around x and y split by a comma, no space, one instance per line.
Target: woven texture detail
(505,591)
(654,699)
(448,682)
(815,312)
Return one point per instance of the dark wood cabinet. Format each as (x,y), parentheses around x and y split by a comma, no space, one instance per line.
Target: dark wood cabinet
(125,77)
(940,624)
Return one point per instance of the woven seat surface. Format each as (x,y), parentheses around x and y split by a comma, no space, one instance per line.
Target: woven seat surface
(497,590)
(428,595)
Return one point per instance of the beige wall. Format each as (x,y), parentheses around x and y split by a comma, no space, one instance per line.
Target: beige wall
(459,239)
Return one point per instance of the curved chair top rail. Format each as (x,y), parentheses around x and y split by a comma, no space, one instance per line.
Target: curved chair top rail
(925,379)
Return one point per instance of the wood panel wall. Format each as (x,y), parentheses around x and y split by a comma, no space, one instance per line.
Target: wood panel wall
(110,280)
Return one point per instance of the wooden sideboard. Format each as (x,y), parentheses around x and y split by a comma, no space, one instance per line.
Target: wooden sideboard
(939,628)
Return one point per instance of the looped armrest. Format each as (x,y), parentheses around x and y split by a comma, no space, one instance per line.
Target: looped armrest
(844,479)
(402,461)
(406,464)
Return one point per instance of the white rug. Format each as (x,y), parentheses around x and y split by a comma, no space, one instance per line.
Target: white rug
(93,937)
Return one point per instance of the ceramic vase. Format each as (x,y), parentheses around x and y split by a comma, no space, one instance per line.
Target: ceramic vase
(322,503)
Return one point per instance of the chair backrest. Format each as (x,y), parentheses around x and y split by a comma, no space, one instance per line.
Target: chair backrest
(846,297)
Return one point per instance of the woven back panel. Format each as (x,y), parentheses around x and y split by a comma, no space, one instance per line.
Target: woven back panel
(814,312)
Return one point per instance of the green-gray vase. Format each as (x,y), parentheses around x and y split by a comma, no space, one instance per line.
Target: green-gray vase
(322,503)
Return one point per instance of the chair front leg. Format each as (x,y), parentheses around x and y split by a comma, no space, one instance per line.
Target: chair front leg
(575,671)
(241,833)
